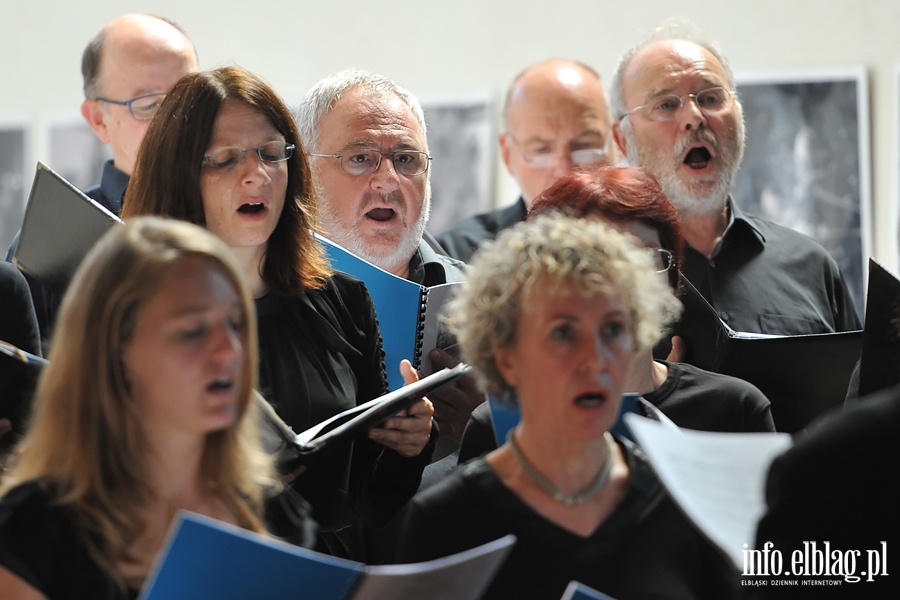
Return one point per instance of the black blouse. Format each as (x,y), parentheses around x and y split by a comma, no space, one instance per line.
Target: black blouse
(320,354)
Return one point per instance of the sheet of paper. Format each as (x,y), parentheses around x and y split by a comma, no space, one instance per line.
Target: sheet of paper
(718,479)
(461,576)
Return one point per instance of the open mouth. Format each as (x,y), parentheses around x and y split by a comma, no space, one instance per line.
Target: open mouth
(252,208)
(591,399)
(381,214)
(697,158)
(220,385)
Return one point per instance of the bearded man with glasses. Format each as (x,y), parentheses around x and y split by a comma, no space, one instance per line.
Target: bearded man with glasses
(556,120)
(677,115)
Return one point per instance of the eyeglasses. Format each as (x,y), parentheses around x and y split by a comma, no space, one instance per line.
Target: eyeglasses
(712,101)
(271,152)
(362,162)
(544,158)
(142,108)
(663,258)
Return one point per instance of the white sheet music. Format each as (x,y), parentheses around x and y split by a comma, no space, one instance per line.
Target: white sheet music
(718,479)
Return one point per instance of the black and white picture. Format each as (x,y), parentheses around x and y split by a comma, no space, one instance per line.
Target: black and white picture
(462,141)
(807,163)
(74,151)
(13,136)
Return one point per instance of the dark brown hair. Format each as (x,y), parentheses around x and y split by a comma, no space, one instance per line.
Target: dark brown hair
(166,179)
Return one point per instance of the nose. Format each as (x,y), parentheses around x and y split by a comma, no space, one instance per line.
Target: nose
(563,166)
(253,168)
(227,346)
(385,178)
(596,354)
(691,115)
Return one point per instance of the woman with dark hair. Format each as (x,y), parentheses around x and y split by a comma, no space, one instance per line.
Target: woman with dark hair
(146,408)
(223,152)
(632,201)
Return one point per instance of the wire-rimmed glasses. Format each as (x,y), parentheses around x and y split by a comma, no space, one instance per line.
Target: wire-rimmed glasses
(276,151)
(711,101)
(362,162)
(545,158)
(142,108)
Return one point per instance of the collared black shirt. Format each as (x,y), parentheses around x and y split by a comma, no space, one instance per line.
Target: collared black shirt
(463,239)
(428,268)
(766,278)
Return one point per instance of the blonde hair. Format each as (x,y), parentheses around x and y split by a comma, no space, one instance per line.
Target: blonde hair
(552,251)
(85,442)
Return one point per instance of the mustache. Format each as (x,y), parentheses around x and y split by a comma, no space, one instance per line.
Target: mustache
(377,199)
(702,134)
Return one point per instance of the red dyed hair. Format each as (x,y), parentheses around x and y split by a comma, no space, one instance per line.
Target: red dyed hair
(618,194)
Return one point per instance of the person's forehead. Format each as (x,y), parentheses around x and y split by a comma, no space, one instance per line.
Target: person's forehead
(139,61)
(366,118)
(668,65)
(568,103)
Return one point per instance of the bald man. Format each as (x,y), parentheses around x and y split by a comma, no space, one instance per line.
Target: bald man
(128,67)
(556,119)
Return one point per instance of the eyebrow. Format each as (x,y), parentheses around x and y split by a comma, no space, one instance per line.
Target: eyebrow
(370,145)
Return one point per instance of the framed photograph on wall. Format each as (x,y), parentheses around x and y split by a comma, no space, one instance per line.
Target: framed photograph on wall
(462,140)
(807,161)
(14,180)
(72,150)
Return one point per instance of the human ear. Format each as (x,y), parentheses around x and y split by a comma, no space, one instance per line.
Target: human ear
(95,117)
(504,359)
(619,138)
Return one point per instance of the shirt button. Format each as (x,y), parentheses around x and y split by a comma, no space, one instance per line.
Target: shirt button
(725,316)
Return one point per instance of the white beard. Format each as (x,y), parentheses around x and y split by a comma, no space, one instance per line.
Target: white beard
(691,200)
(392,260)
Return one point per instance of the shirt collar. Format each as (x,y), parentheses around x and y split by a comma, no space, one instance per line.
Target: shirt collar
(739,224)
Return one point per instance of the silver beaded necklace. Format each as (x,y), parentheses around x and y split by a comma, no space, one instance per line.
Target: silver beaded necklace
(557,494)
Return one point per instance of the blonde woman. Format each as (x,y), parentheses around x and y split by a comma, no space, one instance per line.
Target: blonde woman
(145,408)
(552,315)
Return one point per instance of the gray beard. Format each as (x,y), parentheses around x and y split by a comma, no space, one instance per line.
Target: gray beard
(333,228)
(687,201)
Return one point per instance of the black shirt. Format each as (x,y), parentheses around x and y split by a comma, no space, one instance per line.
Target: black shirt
(766,278)
(463,239)
(646,548)
(320,354)
(19,327)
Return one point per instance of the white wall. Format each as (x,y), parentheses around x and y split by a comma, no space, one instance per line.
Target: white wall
(464,46)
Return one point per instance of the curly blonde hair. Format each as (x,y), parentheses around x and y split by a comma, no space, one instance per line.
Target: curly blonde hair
(550,252)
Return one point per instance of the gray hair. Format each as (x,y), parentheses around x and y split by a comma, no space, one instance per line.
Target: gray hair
(325,94)
(549,252)
(675,28)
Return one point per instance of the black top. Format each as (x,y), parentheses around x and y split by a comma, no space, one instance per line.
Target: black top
(698,399)
(18,326)
(109,193)
(834,486)
(645,549)
(691,397)
(320,354)
(40,543)
(766,278)
(463,239)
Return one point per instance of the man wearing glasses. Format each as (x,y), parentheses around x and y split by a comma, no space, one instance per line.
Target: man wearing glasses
(557,120)
(366,140)
(127,67)
(677,115)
